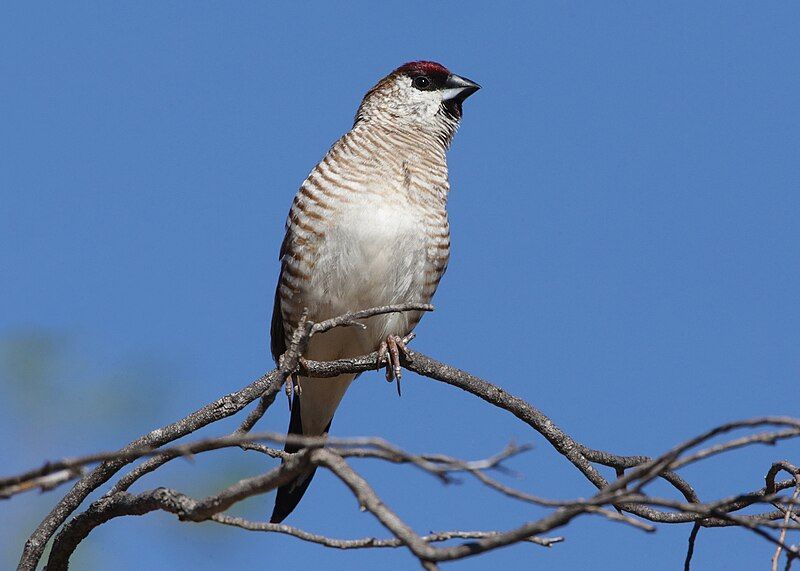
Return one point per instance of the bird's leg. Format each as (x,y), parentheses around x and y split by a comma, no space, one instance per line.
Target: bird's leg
(389,354)
(288,388)
(297,388)
(288,385)
(291,386)
(383,348)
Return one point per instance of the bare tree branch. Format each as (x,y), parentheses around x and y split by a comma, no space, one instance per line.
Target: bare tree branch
(622,500)
(791,553)
(437,464)
(365,542)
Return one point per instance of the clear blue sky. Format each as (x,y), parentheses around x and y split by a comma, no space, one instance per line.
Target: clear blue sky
(625,250)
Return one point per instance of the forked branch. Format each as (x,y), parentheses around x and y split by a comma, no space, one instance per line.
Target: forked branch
(622,500)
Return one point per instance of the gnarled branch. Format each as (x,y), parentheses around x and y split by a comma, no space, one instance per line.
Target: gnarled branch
(622,500)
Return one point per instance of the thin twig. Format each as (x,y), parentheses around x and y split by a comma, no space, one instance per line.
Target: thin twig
(625,493)
(790,554)
(365,542)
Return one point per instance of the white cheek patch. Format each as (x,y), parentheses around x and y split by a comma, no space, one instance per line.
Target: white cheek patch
(411,105)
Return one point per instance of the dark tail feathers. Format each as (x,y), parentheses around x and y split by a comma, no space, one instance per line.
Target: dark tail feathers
(289,495)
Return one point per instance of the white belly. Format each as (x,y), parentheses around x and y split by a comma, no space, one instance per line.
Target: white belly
(377,258)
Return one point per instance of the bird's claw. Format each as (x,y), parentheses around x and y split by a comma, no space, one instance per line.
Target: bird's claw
(288,388)
(302,365)
(389,355)
(291,386)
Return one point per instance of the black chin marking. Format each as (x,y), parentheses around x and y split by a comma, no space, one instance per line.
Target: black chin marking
(452,108)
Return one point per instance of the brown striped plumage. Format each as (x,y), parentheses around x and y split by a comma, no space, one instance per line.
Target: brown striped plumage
(368,227)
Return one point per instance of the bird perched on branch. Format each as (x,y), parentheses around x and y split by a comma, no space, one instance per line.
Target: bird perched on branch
(368,227)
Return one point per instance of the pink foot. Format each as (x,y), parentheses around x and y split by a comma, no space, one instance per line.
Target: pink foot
(389,355)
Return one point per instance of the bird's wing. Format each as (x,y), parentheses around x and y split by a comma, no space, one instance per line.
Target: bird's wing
(277,331)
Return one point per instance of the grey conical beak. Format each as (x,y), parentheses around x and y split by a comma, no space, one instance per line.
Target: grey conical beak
(457,87)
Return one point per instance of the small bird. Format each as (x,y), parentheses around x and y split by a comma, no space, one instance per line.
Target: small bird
(368,227)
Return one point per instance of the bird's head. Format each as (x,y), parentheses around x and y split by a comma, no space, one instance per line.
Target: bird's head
(423,95)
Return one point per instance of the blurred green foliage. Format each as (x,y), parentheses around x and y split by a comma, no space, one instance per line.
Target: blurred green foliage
(59,397)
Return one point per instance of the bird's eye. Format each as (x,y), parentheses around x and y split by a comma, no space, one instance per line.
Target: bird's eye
(421,82)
